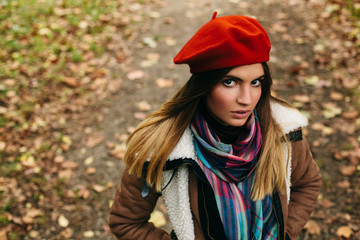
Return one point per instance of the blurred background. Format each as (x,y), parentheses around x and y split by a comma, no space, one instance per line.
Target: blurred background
(77,76)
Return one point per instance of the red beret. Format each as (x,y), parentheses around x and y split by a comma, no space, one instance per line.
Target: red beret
(225,42)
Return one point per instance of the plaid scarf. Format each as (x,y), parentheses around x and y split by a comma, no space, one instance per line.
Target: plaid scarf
(229,168)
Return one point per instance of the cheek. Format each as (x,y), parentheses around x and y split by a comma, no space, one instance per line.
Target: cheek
(217,99)
(256,96)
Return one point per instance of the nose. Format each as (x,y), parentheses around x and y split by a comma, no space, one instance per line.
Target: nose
(244,95)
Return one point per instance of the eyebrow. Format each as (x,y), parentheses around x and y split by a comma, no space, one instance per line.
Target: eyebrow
(239,79)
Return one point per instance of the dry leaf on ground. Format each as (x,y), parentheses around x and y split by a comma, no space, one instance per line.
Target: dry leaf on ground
(157,218)
(143,106)
(312,227)
(98,188)
(302,98)
(347,170)
(140,115)
(89,234)
(63,221)
(344,231)
(70,81)
(164,83)
(137,74)
(326,203)
(94,140)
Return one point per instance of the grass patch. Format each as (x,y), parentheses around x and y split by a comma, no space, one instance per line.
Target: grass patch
(39,38)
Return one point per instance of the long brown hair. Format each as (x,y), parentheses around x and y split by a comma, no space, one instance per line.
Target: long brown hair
(155,138)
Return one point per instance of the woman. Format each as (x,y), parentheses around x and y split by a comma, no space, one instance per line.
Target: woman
(228,158)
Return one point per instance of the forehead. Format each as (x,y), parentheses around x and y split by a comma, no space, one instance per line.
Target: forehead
(247,72)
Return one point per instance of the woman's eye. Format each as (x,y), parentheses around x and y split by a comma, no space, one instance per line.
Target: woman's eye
(228,82)
(256,82)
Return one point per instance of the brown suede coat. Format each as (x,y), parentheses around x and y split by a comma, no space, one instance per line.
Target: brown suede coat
(130,212)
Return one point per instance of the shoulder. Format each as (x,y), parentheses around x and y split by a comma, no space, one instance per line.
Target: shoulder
(290,119)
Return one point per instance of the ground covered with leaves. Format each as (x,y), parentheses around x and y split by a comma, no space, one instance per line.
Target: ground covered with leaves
(77,76)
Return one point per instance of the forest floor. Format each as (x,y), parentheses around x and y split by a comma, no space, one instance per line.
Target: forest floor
(62,150)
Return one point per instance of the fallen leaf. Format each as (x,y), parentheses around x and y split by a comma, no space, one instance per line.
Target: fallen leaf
(140,115)
(164,83)
(70,81)
(59,159)
(343,184)
(11,94)
(62,221)
(94,140)
(347,170)
(143,106)
(312,227)
(84,193)
(89,160)
(67,173)
(114,86)
(326,203)
(170,41)
(110,145)
(350,83)
(312,81)
(347,217)
(70,194)
(110,203)
(3,234)
(150,42)
(67,233)
(319,48)
(279,27)
(3,110)
(302,98)
(31,214)
(318,126)
(138,74)
(344,231)
(154,14)
(90,170)
(339,155)
(66,139)
(69,165)
(34,234)
(121,137)
(9,82)
(110,184)
(89,234)
(44,31)
(98,188)
(153,57)
(27,161)
(336,96)
(328,130)
(157,218)
(350,114)
(118,151)
(330,110)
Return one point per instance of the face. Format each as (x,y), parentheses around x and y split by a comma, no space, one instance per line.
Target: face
(234,98)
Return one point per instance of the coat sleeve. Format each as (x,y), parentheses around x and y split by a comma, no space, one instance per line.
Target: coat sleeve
(305,187)
(130,212)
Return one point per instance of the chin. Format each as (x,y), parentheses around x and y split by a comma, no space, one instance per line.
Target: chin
(236,124)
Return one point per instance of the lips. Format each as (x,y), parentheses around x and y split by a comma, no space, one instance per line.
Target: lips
(240,114)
